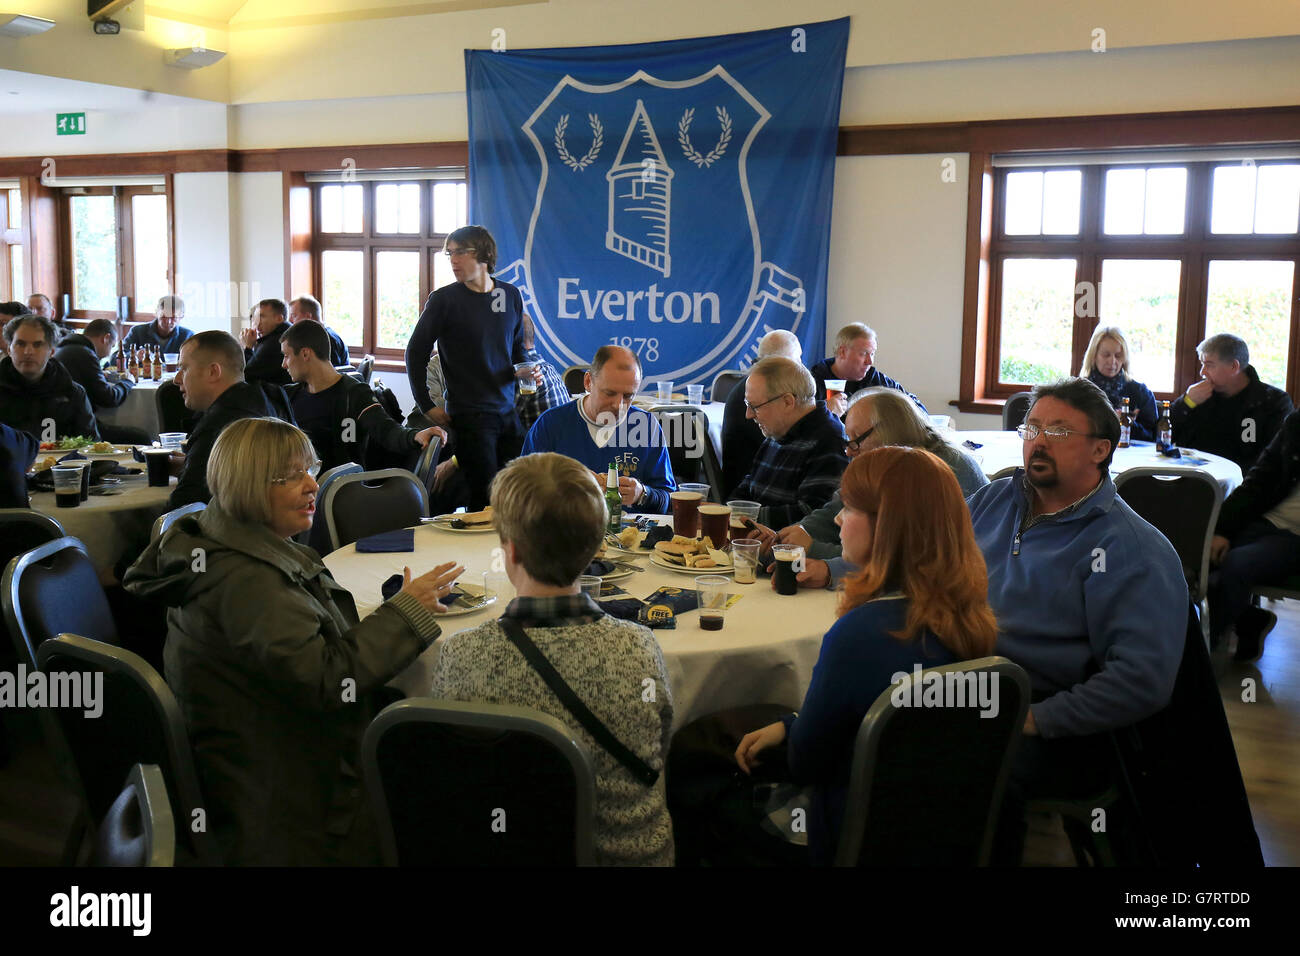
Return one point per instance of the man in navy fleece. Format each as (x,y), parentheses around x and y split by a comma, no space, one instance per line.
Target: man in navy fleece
(1090,599)
(477,322)
(603,427)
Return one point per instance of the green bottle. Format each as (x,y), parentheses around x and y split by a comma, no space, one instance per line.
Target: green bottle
(614,501)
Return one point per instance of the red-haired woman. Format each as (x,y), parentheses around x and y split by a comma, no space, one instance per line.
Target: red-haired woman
(920,598)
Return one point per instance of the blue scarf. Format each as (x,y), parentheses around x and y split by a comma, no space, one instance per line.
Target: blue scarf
(1113,387)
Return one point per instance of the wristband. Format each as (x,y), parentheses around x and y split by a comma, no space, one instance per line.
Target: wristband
(454,461)
(1188,402)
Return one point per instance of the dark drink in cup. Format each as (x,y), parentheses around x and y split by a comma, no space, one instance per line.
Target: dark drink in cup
(686,512)
(710,621)
(788,562)
(714,520)
(67,499)
(67,485)
(157,462)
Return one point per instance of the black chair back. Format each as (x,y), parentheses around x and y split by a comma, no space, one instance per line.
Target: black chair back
(22,529)
(139,722)
(927,782)
(319,536)
(574,378)
(366,369)
(52,589)
(278,399)
(690,447)
(138,829)
(724,382)
(1183,504)
(1014,411)
(457,784)
(427,462)
(370,502)
(165,521)
(173,416)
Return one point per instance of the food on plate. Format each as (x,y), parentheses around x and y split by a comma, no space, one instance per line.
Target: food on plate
(628,537)
(689,553)
(74,443)
(103,447)
(473,518)
(46,463)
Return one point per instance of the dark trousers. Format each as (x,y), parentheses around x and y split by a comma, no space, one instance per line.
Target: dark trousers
(485,442)
(1261,554)
(1064,768)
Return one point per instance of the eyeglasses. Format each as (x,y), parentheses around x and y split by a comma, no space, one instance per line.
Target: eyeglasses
(457,253)
(1058,432)
(299,476)
(754,408)
(855,443)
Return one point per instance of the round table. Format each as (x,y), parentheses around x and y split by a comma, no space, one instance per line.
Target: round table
(109,525)
(1001,450)
(138,410)
(764,654)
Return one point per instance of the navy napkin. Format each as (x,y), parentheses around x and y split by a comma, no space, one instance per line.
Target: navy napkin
(72,456)
(391,586)
(400,540)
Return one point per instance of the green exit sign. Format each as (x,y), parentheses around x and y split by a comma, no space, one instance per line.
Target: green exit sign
(71,124)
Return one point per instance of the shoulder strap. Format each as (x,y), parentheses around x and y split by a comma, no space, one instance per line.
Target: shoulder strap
(640,769)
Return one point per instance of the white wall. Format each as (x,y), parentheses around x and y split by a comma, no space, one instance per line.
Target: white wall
(257,233)
(142,129)
(203,251)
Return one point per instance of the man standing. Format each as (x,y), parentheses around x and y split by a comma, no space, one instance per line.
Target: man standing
(603,427)
(1257,542)
(262,357)
(477,323)
(164,332)
(798,467)
(211,377)
(338,413)
(40,303)
(1090,599)
(1229,412)
(307,307)
(853,361)
(82,354)
(741,436)
(36,395)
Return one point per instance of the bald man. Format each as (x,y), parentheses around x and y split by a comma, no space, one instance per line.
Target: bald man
(602,427)
(741,436)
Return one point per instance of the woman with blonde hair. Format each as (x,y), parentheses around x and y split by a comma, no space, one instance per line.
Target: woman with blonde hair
(921,597)
(1105,364)
(275,676)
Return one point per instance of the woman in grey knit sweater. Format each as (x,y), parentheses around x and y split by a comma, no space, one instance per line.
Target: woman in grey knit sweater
(550,516)
(875,417)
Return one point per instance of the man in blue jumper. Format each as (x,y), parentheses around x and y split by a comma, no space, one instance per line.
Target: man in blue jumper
(602,427)
(1090,599)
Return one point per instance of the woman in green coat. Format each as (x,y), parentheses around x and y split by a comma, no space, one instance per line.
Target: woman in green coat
(274,674)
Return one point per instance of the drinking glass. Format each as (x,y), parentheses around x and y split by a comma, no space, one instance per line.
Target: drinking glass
(712,589)
(665,391)
(695,394)
(744,557)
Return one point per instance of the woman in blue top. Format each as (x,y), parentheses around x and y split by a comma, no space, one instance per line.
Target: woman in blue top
(920,598)
(1105,364)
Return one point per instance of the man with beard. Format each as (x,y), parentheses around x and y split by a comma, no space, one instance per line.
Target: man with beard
(1090,599)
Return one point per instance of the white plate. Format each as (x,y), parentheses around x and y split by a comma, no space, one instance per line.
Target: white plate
(443,523)
(458,611)
(618,574)
(115,453)
(668,566)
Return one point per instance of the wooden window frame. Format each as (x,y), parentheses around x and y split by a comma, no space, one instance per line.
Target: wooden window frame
(9,238)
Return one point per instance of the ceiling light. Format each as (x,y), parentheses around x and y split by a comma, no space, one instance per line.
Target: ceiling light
(192,57)
(18,25)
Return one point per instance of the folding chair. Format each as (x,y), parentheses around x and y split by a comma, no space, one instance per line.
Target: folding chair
(138,829)
(369,502)
(318,536)
(690,447)
(165,521)
(724,382)
(1014,411)
(574,378)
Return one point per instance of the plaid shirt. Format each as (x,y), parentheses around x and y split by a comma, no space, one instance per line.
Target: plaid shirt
(794,475)
(561,610)
(549,394)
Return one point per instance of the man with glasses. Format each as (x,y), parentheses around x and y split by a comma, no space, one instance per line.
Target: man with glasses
(1229,412)
(477,323)
(853,361)
(741,436)
(210,375)
(1090,599)
(798,467)
(165,331)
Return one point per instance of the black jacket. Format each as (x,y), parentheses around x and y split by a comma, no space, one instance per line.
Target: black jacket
(17,452)
(873,379)
(372,427)
(1273,477)
(241,400)
(338,350)
(741,440)
(26,405)
(77,354)
(265,362)
(1220,425)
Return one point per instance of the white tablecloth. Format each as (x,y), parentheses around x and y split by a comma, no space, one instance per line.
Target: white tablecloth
(764,654)
(1005,449)
(109,525)
(139,410)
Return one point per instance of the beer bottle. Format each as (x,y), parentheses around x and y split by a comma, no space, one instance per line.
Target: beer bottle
(614,501)
(134,365)
(1164,431)
(157,363)
(121,359)
(1125,424)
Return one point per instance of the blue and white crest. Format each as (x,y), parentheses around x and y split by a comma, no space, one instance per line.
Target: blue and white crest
(641,181)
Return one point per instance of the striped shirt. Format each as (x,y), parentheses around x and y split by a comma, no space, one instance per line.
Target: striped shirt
(799,472)
(551,393)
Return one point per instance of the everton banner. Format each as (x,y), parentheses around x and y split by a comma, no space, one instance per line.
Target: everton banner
(671,197)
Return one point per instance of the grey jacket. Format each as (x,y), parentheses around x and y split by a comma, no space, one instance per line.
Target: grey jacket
(275,678)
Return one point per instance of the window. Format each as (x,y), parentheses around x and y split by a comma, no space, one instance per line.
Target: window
(12,273)
(118,241)
(1168,251)
(377,250)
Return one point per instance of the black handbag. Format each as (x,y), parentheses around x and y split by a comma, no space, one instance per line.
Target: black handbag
(639,768)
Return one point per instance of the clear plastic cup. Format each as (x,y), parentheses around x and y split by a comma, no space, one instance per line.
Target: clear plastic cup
(172,440)
(695,394)
(67,485)
(590,584)
(524,376)
(740,510)
(665,392)
(712,590)
(744,558)
(788,561)
(834,385)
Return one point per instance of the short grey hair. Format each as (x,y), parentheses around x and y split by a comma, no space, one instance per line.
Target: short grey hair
(248,454)
(782,375)
(780,342)
(1225,347)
